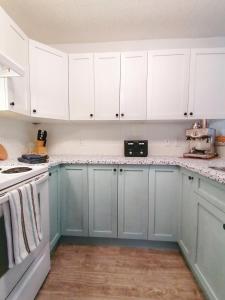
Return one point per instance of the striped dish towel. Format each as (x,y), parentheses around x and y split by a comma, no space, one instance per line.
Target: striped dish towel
(22,222)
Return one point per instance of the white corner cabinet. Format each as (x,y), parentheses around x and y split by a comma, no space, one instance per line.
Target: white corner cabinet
(14,81)
(13,45)
(48,81)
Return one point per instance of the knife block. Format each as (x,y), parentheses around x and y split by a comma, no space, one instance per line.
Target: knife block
(40,148)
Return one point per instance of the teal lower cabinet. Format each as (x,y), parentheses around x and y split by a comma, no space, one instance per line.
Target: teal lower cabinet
(188,215)
(54,205)
(102,181)
(209,264)
(74,203)
(163,203)
(133,198)
(202,232)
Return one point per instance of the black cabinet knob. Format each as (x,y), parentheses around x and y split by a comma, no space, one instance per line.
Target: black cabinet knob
(12,103)
(91,115)
(185,114)
(50,174)
(122,115)
(191,113)
(34,111)
(224,226)
(121,170)
(117,115)
(190,177)
(114,170)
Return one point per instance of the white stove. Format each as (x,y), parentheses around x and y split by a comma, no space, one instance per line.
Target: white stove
(7,180)
(25,279)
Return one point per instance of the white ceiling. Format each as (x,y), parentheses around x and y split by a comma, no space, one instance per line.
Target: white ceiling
(74,21)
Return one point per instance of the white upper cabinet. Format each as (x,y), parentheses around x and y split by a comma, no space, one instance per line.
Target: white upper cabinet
(133,93)
(107,86)
(14,95)
(48,82)
(168,83)
(81,86)
(13,45)
(207,83)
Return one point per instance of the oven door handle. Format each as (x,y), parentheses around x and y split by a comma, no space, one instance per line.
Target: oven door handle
(41,179)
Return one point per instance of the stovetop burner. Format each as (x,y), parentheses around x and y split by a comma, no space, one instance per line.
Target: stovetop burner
(16,170)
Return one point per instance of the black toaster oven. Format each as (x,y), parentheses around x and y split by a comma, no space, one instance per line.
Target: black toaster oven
(136,148)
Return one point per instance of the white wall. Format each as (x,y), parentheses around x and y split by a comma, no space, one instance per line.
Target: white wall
(104,138)
(14,136)
(142,45)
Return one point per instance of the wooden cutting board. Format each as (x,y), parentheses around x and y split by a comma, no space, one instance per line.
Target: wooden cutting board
(3,153)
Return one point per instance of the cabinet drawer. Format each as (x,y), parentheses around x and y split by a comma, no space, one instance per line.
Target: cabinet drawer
(212,191)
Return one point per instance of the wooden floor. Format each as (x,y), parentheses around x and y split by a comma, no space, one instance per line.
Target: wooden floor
(108,273)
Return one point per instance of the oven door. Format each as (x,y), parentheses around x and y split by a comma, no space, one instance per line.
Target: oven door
(10,277)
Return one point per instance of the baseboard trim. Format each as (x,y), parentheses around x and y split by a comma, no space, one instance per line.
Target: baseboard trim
(118,242)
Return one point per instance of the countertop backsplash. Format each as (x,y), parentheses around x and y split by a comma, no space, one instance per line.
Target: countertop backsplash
(106,138)
(15,136)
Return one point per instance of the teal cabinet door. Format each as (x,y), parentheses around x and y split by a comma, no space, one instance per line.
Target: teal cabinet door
(209,262)
(188,215)
(54,205)
(102,182)
(163,203)
(74,200)
(133,194)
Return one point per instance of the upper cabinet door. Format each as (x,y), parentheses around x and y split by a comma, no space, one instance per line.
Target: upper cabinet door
(168,82)
(48,82)
(207,84)
(107,86)
(13,45)
(81,86)
(133,93)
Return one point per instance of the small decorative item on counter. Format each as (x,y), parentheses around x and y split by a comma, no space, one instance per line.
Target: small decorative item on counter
(33,159)
(220,140)
(3,153)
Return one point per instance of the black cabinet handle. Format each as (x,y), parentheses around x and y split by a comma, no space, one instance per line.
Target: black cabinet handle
(190,177)
(117,115)
(50,174)
(185,114)
(122,115)
(91,115)
(12,103)
(114,170)
(224,226)
(121,170)
(191,113)
(34,111)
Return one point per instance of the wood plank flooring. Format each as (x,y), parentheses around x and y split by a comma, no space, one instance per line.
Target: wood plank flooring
(118,273)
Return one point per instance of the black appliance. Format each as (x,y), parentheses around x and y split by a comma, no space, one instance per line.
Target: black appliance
(136,148)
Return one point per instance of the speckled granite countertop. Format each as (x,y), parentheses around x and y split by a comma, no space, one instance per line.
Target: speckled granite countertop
(195,165)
